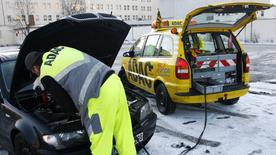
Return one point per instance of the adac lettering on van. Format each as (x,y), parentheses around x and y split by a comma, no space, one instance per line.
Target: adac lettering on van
(52,56)
(139,71)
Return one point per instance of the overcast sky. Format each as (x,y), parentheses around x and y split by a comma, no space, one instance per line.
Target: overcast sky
(273,1)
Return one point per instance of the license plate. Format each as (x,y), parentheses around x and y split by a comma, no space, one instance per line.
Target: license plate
(139,138)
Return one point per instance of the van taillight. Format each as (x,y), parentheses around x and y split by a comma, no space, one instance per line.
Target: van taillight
(182,69)
(246,63)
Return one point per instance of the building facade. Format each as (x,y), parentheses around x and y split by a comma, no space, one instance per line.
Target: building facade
(17,16)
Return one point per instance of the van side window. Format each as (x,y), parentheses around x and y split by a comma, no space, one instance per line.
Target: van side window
(166,48)
(151,45)
(203,42)
(138,46)
(206,42)
(228,42)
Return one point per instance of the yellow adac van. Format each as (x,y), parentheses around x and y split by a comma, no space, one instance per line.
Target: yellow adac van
(182,60)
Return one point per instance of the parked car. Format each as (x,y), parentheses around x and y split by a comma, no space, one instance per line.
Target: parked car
(181,60)
(31,122)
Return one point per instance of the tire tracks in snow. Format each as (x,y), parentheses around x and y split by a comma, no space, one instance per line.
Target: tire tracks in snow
(186,136)
(213,108)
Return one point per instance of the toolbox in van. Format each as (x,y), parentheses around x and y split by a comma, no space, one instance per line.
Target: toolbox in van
(213,72)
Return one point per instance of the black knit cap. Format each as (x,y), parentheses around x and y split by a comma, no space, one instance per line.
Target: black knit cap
(33,58)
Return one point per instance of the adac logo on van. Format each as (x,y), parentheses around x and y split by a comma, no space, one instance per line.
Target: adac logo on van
(52,55)
(139,71)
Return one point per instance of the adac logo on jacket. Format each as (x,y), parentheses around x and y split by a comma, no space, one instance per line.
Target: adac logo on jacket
(52,56)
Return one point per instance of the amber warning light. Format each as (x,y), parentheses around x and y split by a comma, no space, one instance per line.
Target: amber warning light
(167,24)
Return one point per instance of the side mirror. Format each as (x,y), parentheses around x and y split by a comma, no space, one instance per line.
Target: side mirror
(128,54)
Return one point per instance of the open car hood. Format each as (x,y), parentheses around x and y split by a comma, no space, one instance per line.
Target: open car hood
(222,17)
(99,35)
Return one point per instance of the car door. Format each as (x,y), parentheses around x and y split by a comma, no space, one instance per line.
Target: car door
(7,122)
(167,59)
(131,67)
(2,127)
(7,111)
(147,64)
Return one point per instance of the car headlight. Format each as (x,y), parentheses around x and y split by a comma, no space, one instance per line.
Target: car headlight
(61,140)
(145,111)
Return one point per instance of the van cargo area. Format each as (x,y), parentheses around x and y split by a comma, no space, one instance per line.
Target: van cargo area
(215,61)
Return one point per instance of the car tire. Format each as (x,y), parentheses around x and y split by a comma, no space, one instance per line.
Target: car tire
(122,75)
(163,100)
(21,146)
(230,101)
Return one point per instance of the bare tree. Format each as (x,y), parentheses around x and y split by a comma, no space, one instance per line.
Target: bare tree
(70,7)
(24,17)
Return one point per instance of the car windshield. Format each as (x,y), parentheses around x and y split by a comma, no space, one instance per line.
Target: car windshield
(7,69)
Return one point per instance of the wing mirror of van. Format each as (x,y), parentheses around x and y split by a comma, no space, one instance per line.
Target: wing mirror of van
(128,54)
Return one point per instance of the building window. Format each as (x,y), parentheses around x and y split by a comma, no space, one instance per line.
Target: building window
(127,17)
(143,8)
(37,18)
(99,6)
(45,17)
(149,8)
(110,6)
(44,5)
(57,5)
(134,7)
(57,17)
(9,18)
(36,5)
(119,7)
(126,7)
(50,17)
(23,18)
(49,5)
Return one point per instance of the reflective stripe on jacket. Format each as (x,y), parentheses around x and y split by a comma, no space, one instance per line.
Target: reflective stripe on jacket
(79,74)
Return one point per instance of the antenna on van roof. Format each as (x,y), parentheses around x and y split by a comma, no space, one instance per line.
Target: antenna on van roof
(158,19)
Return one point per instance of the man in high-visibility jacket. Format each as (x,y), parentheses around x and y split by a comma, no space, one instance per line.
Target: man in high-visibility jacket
(97,93)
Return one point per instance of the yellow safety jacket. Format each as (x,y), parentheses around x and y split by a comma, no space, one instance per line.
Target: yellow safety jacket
(102,106)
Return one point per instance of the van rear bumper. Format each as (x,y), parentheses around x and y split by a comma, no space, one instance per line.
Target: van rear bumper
(229,92)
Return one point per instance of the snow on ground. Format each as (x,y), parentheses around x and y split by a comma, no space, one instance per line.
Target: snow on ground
(247,128)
